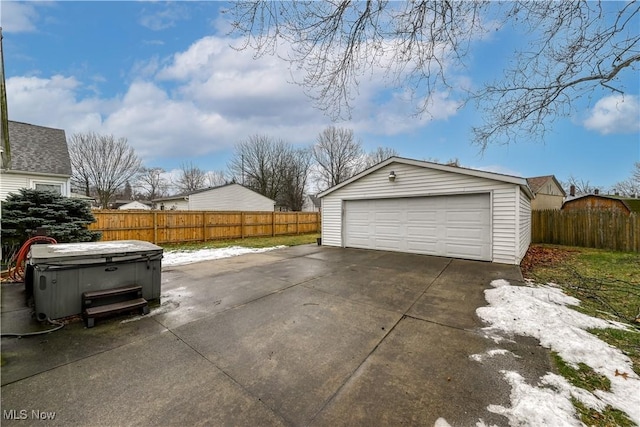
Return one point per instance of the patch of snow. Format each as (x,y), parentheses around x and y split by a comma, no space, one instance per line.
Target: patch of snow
(542,312)
(172,258)
(492,353)
(441,422)
(88,246)
(535,406)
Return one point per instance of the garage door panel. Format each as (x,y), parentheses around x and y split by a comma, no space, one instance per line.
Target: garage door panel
(473,216)
(388,231)
(464,251)
(389,217)
(455,226)
(422,246)
(416,231)
(467,234)
(391,244)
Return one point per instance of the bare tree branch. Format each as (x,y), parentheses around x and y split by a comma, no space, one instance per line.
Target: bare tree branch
(572,48)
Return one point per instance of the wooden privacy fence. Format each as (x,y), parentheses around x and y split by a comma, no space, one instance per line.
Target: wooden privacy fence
(196,226)
(587,228)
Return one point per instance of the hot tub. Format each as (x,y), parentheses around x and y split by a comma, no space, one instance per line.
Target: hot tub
(61,273)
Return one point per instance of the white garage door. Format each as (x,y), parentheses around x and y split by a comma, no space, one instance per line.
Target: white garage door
(452,226)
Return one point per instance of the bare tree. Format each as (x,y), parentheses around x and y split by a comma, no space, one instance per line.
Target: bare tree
(259,162)
(581,186)
(570,49)
(379,155)
(629,187)
(102,162)
(81,178)
(338,155)
(294,183)
(153,183)
(215,178)
(453,161)
(190,178)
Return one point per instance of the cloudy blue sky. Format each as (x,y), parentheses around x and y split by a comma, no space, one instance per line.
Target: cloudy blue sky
(164,76)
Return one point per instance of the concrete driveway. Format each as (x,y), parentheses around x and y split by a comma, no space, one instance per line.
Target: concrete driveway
(301,336)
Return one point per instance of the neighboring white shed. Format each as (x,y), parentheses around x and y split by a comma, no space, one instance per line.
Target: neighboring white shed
(229,197)
(135,205)
(420,207)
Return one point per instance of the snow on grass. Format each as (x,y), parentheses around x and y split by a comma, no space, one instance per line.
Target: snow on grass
(172,258)
(542,312)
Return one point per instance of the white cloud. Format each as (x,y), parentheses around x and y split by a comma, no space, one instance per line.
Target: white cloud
(201,101)
(615,114)
(397,115)
(18,17)
(163,19)
(53,102)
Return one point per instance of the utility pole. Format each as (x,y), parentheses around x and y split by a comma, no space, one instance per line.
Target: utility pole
(5,153)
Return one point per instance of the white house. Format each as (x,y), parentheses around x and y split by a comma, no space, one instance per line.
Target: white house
(547,191)
(38,159)
(311,204)
(420,207)
(228,197)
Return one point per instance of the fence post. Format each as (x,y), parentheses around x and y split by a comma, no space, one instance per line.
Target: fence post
(297,222)
(204,226)
(242,225)
(273,223)
(155,227)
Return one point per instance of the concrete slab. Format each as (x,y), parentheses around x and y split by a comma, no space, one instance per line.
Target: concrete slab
(421,372)
(297,251)
(25,357)
(349,256)
(461,286)
(155,381)
(381,287)
(186,298)
(295,270)
(293,349)
(414,263)
(299,336)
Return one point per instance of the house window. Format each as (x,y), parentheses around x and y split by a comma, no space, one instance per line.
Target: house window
(54,188)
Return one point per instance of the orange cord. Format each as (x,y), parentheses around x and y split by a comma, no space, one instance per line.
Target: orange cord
(16,274)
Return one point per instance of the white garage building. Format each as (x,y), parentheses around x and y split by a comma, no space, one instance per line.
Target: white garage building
(427,208)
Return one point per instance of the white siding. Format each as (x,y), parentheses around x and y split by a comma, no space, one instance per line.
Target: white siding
(12,182)
(232,197)
(525,225)
(174,205)
(414,181)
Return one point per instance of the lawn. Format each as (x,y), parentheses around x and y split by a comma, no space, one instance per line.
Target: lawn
(608,286)
(250,242)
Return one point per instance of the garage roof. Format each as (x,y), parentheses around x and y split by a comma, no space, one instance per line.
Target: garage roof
(522,182)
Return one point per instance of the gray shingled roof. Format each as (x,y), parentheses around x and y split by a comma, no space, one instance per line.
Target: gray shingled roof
(536,183)
(38,149)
